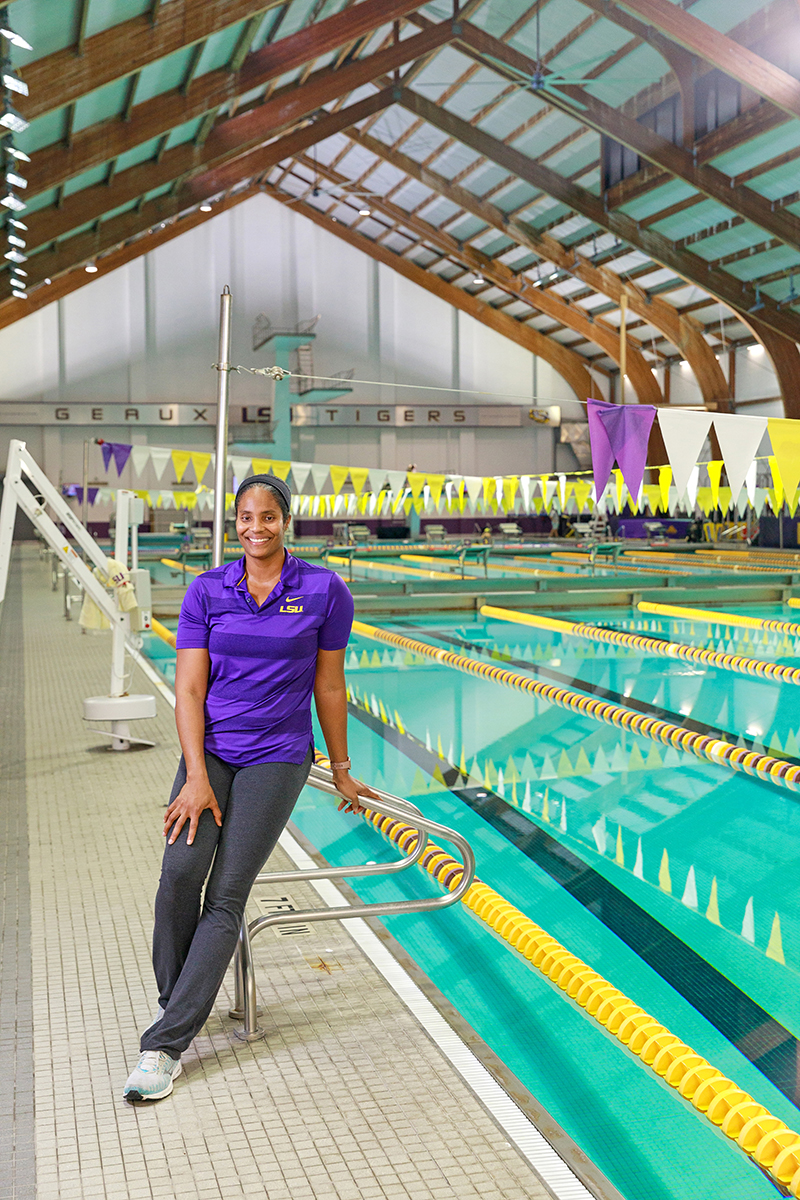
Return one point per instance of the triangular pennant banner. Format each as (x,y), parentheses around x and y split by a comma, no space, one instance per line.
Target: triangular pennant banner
(159,457)
(739,439)
(416,481)
(396,480)
(627,430)
(180,461)
(474,485)
(785,437)
(262,466)
(140,457)
(358,477)
(714,476)
(664,480)
(319,477)
(121,453)
(300,474)
(200,462)
(338,477)
(377,478)
(240,467)
(436,484)
(684,433)
(281,469)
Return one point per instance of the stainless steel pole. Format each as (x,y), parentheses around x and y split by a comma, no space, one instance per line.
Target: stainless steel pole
(221,464)
(85,496)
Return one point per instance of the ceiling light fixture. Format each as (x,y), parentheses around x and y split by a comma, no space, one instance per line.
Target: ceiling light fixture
(14,83)
(13,240)
(205,208)
(11,119)
(19,295)
(13,202)
(91,268)
(17,224)
(48,281)
(365,212)
(14,180)
(19,271)
(8,33)
(478,278)
(15,256)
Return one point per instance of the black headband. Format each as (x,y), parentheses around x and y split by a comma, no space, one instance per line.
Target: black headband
(272,481)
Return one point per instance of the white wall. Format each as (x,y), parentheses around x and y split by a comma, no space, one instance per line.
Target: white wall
(148,333)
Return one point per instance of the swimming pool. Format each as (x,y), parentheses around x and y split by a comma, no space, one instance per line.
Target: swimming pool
(663,872)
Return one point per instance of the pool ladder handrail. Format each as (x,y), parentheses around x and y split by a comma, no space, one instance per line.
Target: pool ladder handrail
(388,805)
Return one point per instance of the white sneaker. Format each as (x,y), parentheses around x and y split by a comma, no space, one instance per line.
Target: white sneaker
(152,1077)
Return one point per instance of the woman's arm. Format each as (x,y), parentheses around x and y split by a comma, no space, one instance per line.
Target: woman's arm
(330,696)
(191,685)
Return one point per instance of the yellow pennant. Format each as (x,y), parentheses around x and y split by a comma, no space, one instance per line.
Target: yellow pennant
(785,437)
(262,466)
(776,492)
(620,487)
(180,461)
(489,488)
(200,462)
(583,490)
(281,469)
(436,484)
(664,480)
(338,477)
(358,477)
(653,493)
(510,485)
(416,481)
(714,475)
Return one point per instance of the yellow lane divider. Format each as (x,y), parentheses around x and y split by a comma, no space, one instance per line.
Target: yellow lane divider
(376,566)
(577,556)
(760,1134)
(781,557)
(714,750)
(172,562)
(707,564)
(492,566)
(165,634)
(614,637)
(719,618)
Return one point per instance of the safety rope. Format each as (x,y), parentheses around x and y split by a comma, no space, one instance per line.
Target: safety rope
(715,750)
(713,617)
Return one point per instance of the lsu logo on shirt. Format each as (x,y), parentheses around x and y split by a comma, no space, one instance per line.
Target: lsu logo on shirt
(290,605)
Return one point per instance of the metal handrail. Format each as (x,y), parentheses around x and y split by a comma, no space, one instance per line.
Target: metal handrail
(390,806)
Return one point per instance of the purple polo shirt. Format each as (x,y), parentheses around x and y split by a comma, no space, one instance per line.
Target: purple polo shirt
(263,660)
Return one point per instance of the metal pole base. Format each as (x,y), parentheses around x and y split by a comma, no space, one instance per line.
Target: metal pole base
(120,735)
(238,1013)
(255,1036)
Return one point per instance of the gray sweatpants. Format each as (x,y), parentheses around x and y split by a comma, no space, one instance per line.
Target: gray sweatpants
(192,947)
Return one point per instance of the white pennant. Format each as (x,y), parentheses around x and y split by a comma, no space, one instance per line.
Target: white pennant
(377,476)
(692,484)
(140,457)
(319,475)
(474,486)
(739,439)
(525,488)
(159,457)
(750,481)
(684,433)
(396,480)
(241,467)
(300,474)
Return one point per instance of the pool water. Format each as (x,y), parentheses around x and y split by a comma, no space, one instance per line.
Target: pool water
(673,877)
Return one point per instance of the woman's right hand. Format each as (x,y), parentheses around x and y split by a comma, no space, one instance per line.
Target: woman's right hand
(194,797)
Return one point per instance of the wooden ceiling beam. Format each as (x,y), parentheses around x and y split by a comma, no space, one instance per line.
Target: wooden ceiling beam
(182,162)
(683,333)
(12,310)
(738,294)
(109,234)
(603,335)
(565,362)
(588,110)
(735,60)
(66,75)
(98,143)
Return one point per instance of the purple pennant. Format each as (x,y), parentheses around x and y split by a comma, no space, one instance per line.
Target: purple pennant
(106,449)
(122,453)
(92,494)
(621,432)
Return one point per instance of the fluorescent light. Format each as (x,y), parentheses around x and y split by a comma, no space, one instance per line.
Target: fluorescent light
(12,120)
(15,153)
(14,38)
(365,212)
(554,275)
(205,208)
(91,268)
(13,202)
(19,271)
(17,224)
(19,295)
(478,278)
(48,281)
(15,180)
(15,84)
(15,256)
(13,240)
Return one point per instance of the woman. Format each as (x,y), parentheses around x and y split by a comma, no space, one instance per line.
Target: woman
(255,638)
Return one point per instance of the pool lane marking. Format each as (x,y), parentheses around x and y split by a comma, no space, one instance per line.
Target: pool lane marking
(171,562)
(515,1124)
(763,1137)
(374,566)
(715,750)
(492,567)
(714,616)
(760,668)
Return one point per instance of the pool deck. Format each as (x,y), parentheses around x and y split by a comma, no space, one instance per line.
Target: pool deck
(368,1084)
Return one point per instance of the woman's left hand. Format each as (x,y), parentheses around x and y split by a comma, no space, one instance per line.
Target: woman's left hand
(352,789)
